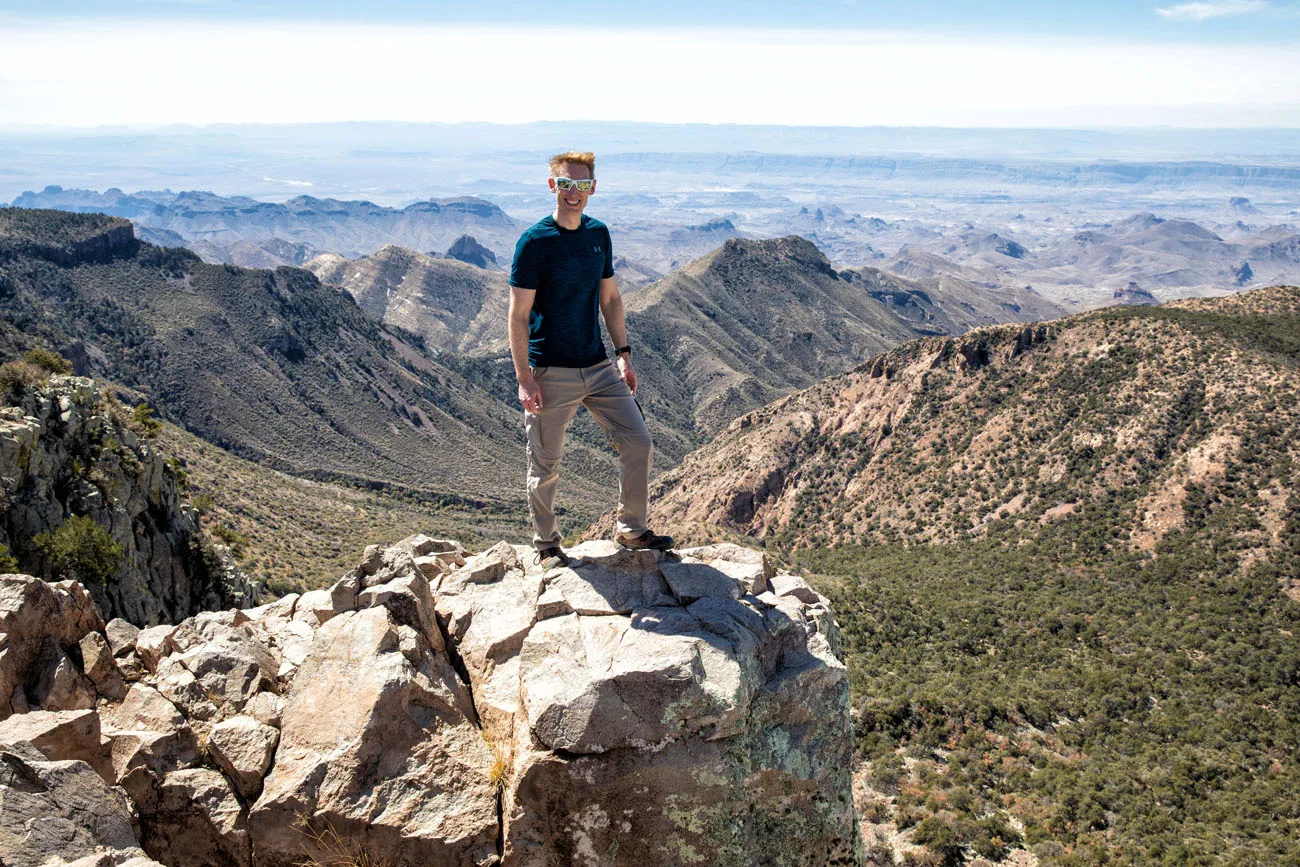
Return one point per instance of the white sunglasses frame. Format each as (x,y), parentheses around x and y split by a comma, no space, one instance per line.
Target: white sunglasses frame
(591,182)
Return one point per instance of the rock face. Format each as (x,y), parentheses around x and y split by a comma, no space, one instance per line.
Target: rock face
(431,708)
(471,252)
(63,453)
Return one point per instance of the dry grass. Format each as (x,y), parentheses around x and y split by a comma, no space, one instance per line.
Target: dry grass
(324,846)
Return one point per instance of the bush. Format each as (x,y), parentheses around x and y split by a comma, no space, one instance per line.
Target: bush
(18,376)
(143,421)
(232,539)
(81,549)
(7,563)
(49,361)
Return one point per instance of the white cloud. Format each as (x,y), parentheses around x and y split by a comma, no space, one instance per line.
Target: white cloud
(146,72)
(1213,9)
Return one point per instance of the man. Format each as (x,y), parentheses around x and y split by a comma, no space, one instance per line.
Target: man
(563,274)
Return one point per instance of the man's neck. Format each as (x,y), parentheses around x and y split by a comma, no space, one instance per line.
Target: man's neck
(566,222)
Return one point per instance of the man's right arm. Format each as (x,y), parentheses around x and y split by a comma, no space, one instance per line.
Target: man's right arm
(521,305)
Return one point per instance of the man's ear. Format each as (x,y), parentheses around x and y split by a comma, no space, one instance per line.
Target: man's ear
(593,187)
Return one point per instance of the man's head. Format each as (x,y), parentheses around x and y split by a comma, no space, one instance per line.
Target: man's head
(572,166)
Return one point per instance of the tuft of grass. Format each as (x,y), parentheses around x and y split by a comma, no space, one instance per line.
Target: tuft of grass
(499,771)
(324,846)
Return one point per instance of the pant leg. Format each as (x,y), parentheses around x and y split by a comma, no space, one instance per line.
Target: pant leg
(611,403)
(562,391)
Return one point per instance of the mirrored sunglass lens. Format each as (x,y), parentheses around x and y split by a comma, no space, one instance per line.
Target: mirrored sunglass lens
(567,184)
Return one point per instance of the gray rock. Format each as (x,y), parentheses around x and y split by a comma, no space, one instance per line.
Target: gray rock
(121,636)
(197,821)
(61,736)
(243,748)
(101,668)
(152,644)
(39,621)
(58,809)
(363,754)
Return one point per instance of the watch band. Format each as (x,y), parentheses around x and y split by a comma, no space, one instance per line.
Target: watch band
(621,350)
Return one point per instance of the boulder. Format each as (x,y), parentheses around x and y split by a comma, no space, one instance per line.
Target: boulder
(267,708)
(219,666)
(58,810)
(100,667)
(147,731)
(61,736)
(121,636)
(152,644)
(196,821)
(379,751)
(243,748)
(39,621)
(670,710)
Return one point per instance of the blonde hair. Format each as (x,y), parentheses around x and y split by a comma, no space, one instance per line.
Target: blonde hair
(580,158)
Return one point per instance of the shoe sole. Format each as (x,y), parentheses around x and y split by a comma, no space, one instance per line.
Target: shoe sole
(627,547)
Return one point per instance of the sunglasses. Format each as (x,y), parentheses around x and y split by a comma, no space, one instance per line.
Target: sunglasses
(566,184)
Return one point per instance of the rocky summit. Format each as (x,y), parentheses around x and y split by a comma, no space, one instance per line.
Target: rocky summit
(437,708)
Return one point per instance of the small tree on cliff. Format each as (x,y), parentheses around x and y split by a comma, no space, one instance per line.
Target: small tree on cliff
(81,549)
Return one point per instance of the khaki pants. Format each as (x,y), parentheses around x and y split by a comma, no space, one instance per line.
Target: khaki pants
(608,399)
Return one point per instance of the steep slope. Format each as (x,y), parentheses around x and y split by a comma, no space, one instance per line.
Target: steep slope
(944,304)
(269,364)
(1066,559)
(454,306)
(747,323)
(86,494)
(1147,415)
(755,319)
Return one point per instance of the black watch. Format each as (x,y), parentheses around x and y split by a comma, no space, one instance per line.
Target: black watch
(621,350)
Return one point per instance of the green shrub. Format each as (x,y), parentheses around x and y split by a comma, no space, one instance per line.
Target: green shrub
(48,361)
(232,539)
(81,549)
(18,376)
(7,563)
(143,421)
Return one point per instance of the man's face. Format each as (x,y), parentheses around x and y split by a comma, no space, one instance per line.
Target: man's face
(571,201)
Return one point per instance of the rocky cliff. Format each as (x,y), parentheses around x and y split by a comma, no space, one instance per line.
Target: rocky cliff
(63,453)
(433,708)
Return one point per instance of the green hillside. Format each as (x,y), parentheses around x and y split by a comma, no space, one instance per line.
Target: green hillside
(1066,561)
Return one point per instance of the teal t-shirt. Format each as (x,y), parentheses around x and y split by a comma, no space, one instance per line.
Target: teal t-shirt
(564,267)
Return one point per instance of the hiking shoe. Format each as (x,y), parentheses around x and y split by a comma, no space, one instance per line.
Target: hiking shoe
(647,541)
(551,558)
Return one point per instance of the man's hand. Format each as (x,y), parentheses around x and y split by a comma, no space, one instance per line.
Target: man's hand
(626,373)
(530,394)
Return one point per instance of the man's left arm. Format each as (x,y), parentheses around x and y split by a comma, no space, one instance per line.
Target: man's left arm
(611,308)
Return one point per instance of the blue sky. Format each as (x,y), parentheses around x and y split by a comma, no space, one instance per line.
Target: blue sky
(1196,20)
(1206,63)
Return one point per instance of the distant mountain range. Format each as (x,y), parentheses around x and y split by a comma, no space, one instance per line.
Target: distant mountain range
(219,228)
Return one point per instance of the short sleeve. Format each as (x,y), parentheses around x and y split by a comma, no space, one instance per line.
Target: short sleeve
(526,270)
(609,257)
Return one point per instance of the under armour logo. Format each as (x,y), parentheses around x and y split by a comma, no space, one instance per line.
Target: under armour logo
(596,249)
